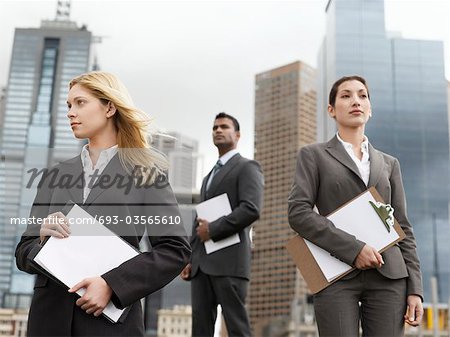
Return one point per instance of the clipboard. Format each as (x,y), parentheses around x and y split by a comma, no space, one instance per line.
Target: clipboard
(39,257)
(307,264)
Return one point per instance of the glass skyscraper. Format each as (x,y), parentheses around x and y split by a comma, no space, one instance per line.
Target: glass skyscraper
(34,129)
(409,102)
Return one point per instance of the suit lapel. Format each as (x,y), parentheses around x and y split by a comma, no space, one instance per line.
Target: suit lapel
(336,149)
(73,169)
(221,174)
(376,165)
(113,170)
(203,189)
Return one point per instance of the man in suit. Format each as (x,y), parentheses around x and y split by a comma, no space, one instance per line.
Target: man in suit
(222,277)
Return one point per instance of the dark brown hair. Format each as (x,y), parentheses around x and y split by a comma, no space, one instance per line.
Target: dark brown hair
(335,87)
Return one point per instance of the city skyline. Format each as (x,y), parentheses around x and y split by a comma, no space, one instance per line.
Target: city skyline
(206,53)
(33,131)
(199,123)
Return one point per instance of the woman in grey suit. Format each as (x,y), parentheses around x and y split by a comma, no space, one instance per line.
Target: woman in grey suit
(385,290)
(118,178)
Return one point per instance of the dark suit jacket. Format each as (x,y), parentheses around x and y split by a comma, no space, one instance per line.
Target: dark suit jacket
(53,311)
(327,177)
(243,181)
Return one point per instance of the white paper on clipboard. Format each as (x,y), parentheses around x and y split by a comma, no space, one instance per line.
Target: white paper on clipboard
(359,219)
(211,210)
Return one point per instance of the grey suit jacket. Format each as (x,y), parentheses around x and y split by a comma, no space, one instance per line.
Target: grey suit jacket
(53,311)
(327,177)
(243,181)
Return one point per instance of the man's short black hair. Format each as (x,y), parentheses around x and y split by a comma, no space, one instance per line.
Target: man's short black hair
(225,115)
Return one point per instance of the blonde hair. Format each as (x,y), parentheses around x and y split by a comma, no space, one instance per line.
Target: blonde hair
(136,155)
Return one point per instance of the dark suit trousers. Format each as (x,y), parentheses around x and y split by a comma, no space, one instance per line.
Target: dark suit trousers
(379,302)
(207,292)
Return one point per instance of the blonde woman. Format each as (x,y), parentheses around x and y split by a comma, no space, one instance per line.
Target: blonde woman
(117,176)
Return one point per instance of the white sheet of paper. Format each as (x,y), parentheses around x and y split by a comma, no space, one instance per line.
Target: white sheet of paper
(359,219)
(211,210)
(80,255)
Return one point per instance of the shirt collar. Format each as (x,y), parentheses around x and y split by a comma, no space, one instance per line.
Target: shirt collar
(227,156)
(107,154)
(364,144)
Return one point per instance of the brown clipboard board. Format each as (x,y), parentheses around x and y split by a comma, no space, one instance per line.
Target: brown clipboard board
(306,263)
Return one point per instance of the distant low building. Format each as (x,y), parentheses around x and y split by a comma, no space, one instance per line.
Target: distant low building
(13,323)
(176,322)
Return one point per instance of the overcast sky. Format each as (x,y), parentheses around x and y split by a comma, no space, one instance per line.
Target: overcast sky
(185,61)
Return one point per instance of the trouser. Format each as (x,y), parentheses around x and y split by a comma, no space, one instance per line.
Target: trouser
(377,302)
(207,292)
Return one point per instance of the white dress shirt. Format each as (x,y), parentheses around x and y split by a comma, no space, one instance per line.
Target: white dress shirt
(227,156)
(363,164)
(224,159)
(93,172)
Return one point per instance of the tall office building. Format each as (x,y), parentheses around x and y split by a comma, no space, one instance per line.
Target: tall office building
(410,121)
(34,131)
(448,106)
(2,103)
(182,153)
(285,120)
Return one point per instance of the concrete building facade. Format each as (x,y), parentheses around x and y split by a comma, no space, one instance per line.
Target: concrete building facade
(285,120)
